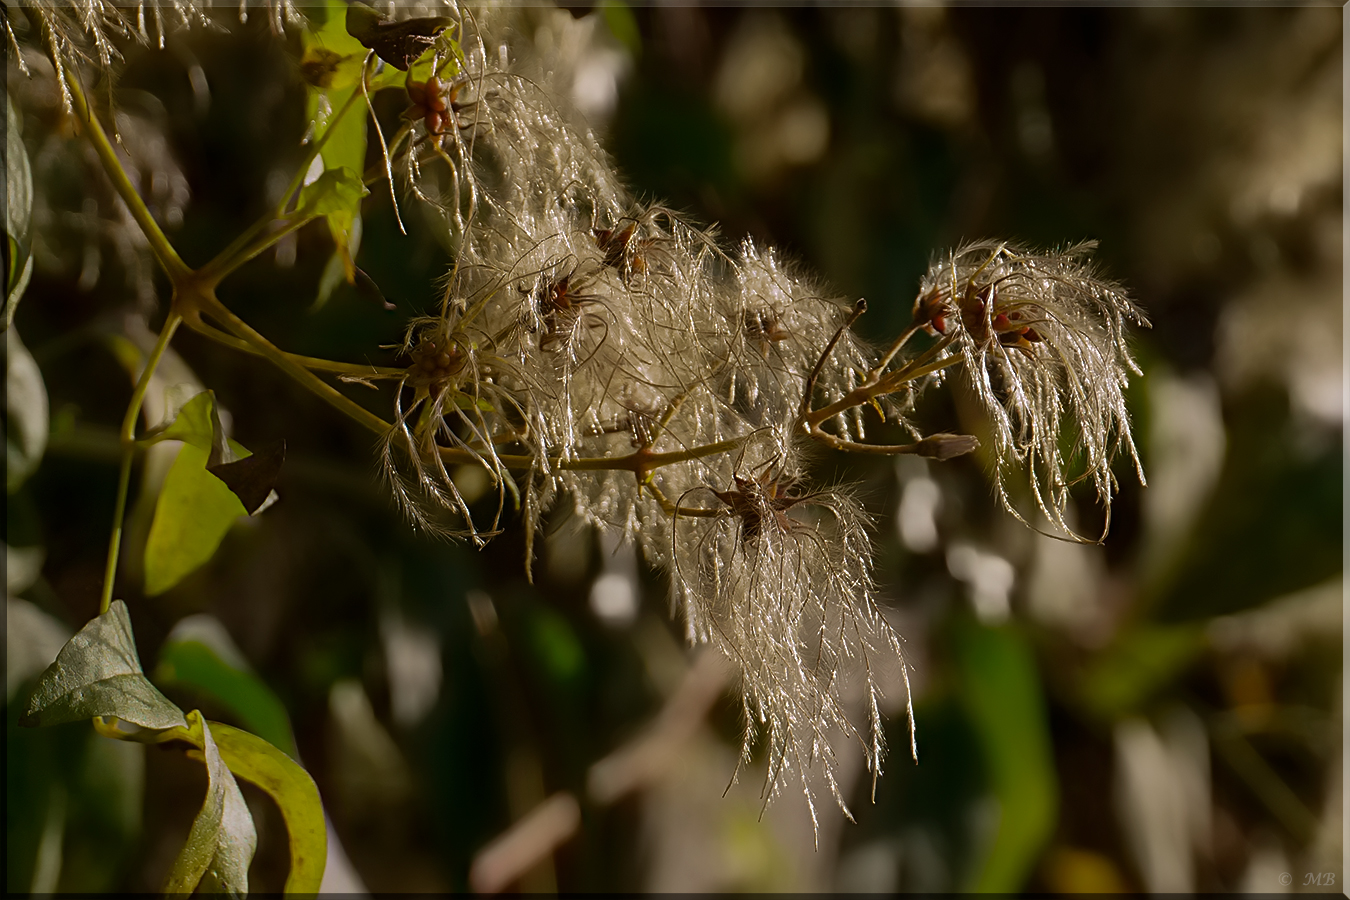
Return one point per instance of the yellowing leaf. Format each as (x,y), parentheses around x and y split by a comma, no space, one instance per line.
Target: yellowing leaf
(192,514)
(222,841)
(98,673)
(257,761)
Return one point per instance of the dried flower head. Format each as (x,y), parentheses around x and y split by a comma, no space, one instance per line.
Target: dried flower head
(626,362)
(455,404)
(1043,342)
(778,576)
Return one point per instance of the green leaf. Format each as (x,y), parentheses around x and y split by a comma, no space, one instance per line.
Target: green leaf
(1007,707)
(334,58)
(194,511)
(197,423)
(294,792)
(344,224)
(220,845)
(334,193)
(469,401)
(249,476)
(196,504)
(200,655)
(98,673)
(18,214)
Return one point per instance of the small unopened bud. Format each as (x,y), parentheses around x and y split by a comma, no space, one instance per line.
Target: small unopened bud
(946,446)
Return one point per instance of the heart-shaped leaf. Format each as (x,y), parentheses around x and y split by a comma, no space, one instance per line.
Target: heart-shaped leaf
(197,423)
(212,483)
(98,673)
(250,476)
(194,511)
(332,58)
(222,841)
(338,59)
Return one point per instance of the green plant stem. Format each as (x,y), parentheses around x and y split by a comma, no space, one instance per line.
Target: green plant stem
(641,462)
(858,447)
(207,303)
(168,257)
(128,442)
(315,149)
(644,462)
(809,391)
(309,362)
(248,245)
(877,387)
(675,511)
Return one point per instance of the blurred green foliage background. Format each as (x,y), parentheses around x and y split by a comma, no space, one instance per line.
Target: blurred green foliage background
(1163,712)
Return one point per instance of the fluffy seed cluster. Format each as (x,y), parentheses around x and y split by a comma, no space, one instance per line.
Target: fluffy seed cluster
(596,350)
(777,576)
(606,353)
(1042,340)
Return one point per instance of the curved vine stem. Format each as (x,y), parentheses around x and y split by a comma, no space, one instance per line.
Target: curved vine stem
(353,370)
(251,244)
(168,257)
(930,361)
(128,442)
(205,301)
